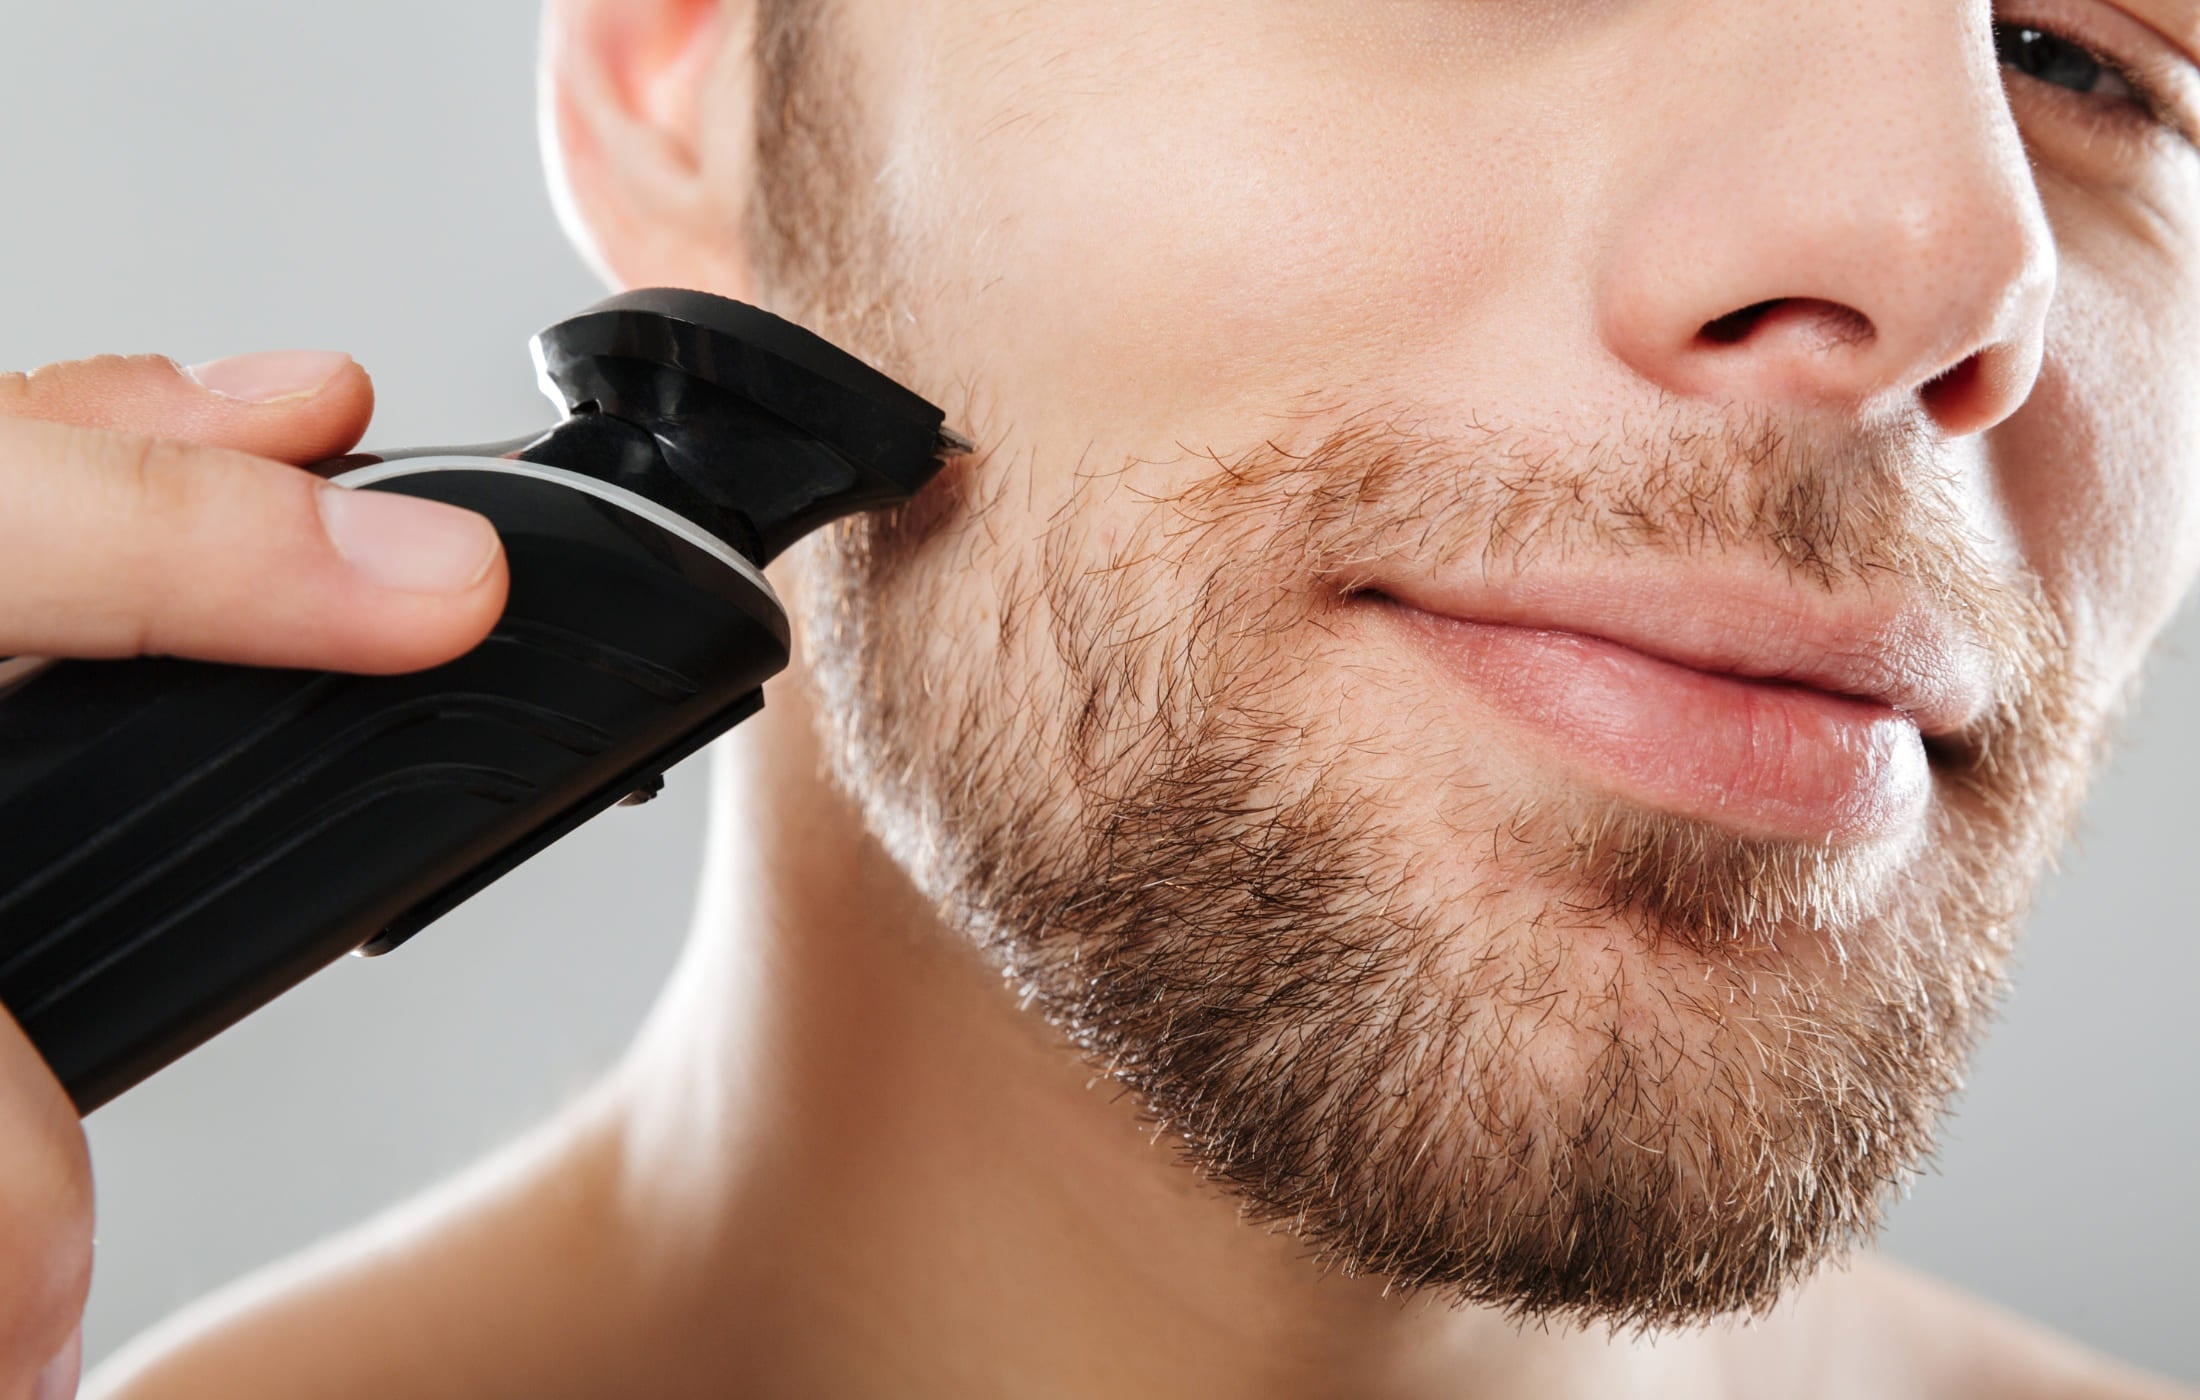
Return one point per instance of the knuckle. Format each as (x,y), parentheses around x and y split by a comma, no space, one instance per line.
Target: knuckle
(162,480)
(190,557)
(135,479)
(74,389)
(176,490)
(90,367)
(136,368)
(147,482)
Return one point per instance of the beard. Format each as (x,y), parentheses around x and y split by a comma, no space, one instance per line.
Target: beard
(1522,1046)
(1506,1041)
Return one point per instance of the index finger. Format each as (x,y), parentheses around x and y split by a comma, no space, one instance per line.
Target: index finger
(295,406)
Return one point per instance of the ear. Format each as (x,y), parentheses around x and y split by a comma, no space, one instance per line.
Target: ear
(648,132)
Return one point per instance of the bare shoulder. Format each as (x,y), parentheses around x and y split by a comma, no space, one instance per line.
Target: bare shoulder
(434,1300)
(1952,1343)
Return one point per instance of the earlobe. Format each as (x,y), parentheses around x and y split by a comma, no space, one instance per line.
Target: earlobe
(647,130)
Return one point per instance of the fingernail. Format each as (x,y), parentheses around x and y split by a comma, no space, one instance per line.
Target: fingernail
(59,1380)
(271,376)
(406,543)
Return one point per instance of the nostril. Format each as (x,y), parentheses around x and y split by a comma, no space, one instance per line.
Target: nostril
(1829,324)
(1734,327)
(1950,396)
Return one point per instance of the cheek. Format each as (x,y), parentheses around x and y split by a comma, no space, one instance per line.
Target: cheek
(2101,469)
(1170,221)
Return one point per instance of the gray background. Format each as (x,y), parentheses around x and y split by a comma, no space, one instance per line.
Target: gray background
(361,174)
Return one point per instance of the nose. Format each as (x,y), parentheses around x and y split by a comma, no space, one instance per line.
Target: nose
(1833,211)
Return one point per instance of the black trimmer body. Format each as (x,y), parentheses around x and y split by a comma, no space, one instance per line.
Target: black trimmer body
(181,842)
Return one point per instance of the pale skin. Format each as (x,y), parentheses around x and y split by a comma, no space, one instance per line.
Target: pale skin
(840,1159)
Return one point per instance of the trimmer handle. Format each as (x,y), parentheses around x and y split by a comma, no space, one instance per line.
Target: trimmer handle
(181,842)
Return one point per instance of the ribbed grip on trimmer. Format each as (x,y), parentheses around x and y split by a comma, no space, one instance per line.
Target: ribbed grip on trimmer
(179,842)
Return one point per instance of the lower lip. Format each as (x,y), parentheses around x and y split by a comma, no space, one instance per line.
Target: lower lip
(1767,759)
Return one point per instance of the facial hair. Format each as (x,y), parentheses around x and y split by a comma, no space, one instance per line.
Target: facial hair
(1557,1054)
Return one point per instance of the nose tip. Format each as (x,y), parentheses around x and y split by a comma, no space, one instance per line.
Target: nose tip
(1947,311)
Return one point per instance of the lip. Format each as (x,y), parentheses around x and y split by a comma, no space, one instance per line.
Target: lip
(1782,713)
(1896,652)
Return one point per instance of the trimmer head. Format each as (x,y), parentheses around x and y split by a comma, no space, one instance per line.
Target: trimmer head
(713,380)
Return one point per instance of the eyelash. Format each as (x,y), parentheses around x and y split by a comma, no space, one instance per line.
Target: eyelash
(2144,102)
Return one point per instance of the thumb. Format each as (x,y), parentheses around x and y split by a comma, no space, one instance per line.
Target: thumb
(117,546)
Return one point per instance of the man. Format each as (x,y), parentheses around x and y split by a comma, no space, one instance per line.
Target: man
(1437,810)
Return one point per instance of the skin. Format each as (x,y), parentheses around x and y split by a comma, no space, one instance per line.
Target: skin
(841,1159)
(120,538)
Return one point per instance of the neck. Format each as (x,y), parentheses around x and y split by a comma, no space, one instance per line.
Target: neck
(855,1166)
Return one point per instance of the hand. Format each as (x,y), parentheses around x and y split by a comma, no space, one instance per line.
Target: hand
(147,509)
(140,513)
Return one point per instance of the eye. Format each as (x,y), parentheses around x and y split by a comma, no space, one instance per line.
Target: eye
(2063,63)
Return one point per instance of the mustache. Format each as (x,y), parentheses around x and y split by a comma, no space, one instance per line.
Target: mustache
(1844,512)
(1825,507)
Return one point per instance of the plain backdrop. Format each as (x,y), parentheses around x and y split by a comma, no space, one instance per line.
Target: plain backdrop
(233,175)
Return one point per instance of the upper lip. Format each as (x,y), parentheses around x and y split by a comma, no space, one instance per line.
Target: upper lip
(1896,651)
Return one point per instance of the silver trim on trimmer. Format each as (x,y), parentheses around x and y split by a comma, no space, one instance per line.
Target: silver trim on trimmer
(15,670)
(604,491)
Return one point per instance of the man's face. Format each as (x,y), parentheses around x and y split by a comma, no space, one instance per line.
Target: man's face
(1541,579)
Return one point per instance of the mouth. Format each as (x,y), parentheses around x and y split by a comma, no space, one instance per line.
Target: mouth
(1776,715)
